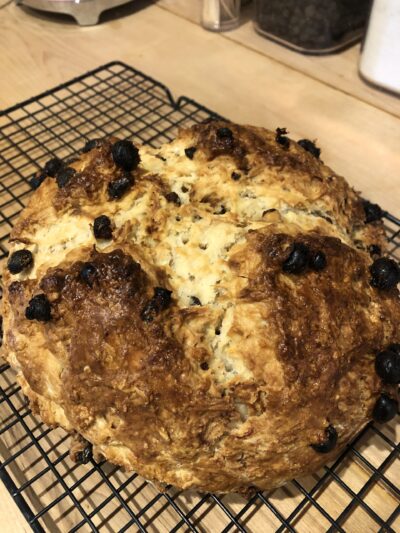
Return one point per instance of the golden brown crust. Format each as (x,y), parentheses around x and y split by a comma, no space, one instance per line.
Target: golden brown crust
(229,385)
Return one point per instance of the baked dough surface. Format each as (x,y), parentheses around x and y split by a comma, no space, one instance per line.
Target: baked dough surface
(227,387)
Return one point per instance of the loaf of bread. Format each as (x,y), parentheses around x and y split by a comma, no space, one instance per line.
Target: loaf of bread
(219,313)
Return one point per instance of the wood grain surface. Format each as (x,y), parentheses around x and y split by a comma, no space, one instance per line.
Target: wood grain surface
(339,71)
(249,79)
(358,139)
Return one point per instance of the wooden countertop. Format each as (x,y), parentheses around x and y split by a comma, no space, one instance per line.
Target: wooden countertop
(239,74)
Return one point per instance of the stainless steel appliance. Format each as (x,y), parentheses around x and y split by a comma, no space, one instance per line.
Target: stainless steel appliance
(85,12)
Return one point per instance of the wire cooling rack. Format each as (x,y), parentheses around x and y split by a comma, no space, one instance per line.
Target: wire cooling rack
(359,492)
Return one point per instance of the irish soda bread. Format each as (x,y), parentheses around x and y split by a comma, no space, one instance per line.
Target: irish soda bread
(219,313)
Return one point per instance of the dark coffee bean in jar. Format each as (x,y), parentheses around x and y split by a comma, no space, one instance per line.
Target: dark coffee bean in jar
(312,26)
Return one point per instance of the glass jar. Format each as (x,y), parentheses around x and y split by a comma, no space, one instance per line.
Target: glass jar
(312,26)
(220,15)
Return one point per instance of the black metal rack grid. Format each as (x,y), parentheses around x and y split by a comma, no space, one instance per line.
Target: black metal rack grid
(56,495)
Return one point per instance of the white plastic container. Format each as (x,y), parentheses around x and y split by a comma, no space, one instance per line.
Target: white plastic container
(380,58)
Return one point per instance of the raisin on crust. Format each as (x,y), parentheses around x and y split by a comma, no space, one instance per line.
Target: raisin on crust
(223,335)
